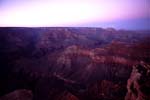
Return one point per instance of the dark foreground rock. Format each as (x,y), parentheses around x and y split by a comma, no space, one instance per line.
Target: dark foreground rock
(21,94)
(139,83)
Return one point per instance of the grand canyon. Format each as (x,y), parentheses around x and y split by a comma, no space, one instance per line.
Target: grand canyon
(74,63)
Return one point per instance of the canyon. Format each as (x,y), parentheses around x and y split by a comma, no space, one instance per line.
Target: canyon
(74,63)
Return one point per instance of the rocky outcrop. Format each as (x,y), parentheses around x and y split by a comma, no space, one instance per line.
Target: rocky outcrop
(139,83)
(21,94)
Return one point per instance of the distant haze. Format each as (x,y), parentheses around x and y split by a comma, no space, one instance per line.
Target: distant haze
(120,14)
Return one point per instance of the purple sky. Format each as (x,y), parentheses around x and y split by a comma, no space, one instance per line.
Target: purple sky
(126,14)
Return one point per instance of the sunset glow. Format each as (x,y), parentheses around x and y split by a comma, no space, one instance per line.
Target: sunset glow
(69,12)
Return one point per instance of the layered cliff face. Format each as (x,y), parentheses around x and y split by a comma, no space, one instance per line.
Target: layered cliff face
(74,63)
